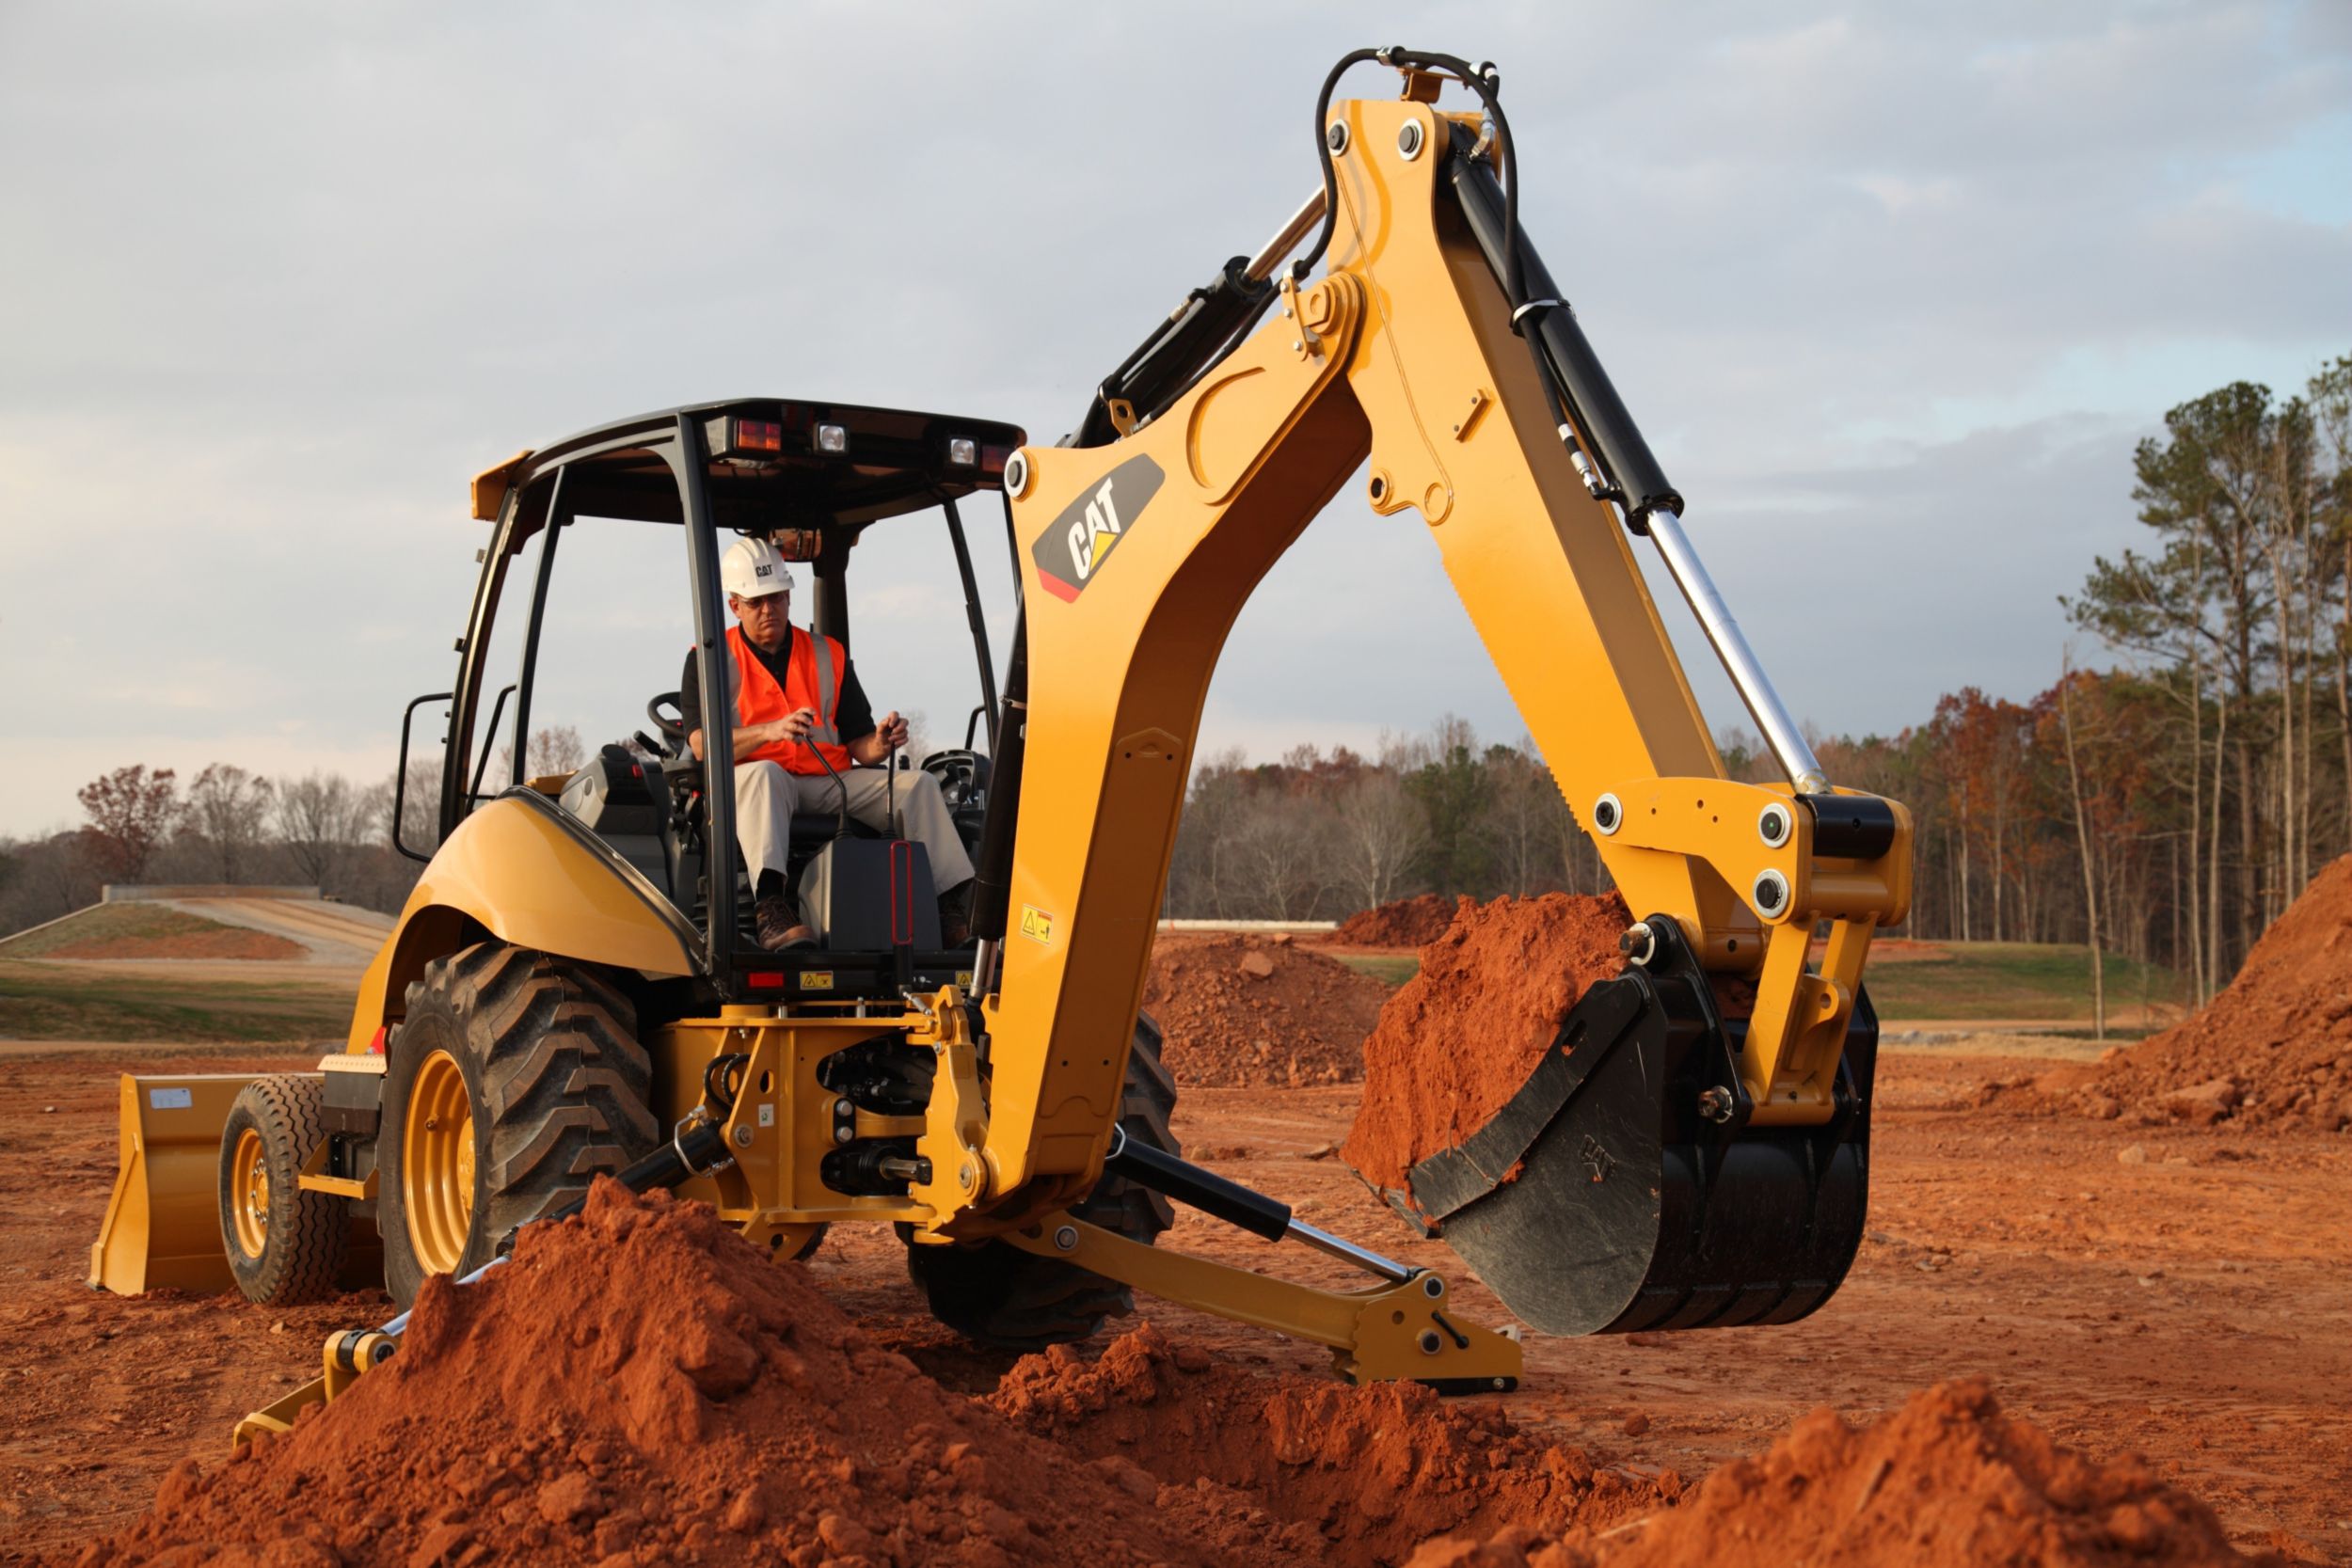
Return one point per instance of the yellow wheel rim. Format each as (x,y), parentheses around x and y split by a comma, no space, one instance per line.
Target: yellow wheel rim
(436,1164)
(248,1193)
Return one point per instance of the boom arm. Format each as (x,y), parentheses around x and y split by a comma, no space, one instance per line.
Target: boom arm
(1137,554)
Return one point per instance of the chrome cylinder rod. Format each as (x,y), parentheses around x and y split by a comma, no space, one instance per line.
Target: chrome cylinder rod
(1302,223)
(1781,734)
(1348,1252)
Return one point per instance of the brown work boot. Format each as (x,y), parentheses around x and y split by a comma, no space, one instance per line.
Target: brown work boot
(780,925)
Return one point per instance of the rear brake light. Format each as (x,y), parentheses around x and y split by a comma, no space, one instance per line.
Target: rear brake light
(756,436)
(765,979)
(993,460)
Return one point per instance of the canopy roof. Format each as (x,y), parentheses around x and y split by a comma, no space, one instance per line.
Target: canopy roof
(892,461)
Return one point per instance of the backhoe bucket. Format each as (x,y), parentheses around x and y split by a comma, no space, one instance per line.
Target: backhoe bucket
(163,1224)
(1602,1200)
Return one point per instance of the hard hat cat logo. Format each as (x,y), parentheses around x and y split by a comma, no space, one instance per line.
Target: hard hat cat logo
(1073,547)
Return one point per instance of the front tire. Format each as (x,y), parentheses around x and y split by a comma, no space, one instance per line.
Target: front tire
(285,1247)
(999,1295)
(515,1079)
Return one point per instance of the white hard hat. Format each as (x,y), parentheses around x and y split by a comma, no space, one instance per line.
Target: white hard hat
(752,569)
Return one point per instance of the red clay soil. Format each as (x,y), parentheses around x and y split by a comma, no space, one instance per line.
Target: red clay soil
(642,1384)
(1251,1011)
(1947,1482)
(2274,1048)
(1406,923)
(1344,1474)
(1458,1039)
(226,942)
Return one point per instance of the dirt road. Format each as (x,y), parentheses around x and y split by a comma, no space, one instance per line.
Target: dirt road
(2191,1302)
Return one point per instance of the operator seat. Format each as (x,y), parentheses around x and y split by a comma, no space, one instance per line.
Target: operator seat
(685,834)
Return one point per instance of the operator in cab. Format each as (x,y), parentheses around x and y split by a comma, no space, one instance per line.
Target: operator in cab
(797,699)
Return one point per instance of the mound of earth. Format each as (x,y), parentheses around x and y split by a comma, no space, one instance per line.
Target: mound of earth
(1347,1475)
(2274,1048)
(1404,922)
(1458,1039)
(642,1384)
(143,930)
(1947,1482)
(1250,1011)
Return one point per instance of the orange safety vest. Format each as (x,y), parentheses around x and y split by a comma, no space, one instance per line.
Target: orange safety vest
(812,680)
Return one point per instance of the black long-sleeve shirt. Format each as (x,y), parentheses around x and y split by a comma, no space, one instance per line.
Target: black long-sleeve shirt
(854,716)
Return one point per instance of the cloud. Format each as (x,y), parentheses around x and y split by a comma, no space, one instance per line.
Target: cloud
(1889,289)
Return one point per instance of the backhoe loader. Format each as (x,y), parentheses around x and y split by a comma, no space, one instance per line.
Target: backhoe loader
(571,990)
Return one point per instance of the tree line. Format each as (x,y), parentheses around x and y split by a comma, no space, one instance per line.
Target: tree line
(2166,807)
(233,826)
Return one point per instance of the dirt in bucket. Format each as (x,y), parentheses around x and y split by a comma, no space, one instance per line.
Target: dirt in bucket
(1458,1039)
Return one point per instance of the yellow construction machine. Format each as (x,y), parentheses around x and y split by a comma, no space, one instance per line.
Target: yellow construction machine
(572,989)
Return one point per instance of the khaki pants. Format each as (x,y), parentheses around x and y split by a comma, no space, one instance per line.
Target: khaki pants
(766,797)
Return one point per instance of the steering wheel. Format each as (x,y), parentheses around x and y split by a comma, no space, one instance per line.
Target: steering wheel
(672,724)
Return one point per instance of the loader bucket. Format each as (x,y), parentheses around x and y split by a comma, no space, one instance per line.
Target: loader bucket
(163,1224)
(1601,1200)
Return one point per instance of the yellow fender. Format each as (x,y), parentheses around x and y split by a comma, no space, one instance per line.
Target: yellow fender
(520,870)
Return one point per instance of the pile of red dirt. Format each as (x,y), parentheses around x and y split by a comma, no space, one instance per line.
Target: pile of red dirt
(1406,923)
(1458,1039)
(140,929)
(1343,1475)
(1250,1011)
(222,942)
(642,1384)
(2274,1048)
(1947,1482)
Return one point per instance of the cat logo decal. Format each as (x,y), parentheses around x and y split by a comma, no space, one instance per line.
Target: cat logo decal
(1070,552)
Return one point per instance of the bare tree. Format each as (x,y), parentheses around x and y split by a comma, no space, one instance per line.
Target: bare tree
(229,809)
(1277,850)
(319,820)
(1378,833)
(2082,838)
(556,750)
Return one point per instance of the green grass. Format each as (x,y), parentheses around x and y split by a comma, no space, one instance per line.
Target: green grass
(54,1002)
(2032,981)
(2037,981)
(1389,970)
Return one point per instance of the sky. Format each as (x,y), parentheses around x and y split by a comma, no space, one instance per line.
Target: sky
(1893,291)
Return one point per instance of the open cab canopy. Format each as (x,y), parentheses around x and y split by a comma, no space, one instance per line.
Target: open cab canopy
(774,463)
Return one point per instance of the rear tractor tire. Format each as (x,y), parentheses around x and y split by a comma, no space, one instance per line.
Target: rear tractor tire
(285,1247)
(998,1295)
(515,1079)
